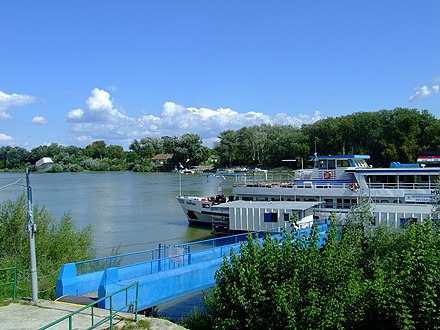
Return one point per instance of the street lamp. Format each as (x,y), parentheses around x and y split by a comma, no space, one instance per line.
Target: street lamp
(42,165)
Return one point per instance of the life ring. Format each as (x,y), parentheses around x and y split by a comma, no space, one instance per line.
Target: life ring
(328,175)
(354,186)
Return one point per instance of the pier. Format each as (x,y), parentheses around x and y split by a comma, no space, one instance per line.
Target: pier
(163,274)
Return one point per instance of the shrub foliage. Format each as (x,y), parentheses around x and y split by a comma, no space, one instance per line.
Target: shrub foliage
(57,242)
(363,277)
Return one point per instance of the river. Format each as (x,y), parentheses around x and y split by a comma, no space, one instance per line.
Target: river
(128,211)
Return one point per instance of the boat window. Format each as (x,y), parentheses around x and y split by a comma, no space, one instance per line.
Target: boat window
(407,221)
(286,217)
(331,164)
(328,203)
(270,217)
(339,203)
(342,163)
(360,163)
(322,164)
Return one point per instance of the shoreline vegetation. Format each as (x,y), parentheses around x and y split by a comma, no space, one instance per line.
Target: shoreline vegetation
(386,135)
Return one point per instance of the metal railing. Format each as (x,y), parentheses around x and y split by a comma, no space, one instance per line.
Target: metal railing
(6,279)
(130,306)
(162,252)
(403,185)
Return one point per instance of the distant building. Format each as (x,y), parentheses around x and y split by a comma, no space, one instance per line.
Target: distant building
(161,159)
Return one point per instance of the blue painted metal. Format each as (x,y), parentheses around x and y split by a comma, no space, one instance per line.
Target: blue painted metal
(340,157)
(172,271)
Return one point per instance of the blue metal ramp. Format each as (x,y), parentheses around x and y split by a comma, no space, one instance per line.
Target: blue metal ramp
(163,274)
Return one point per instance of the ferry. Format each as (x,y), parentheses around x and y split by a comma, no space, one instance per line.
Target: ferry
(336,182)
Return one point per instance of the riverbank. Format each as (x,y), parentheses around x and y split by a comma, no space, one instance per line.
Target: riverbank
(25,315)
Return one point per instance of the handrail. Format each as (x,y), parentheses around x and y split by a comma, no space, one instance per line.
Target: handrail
(13,282)
(112,313)
(160,253)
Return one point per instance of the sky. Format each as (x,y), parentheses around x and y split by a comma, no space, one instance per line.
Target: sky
(76,71)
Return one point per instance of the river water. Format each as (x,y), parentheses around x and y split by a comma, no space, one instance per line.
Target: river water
(128,211)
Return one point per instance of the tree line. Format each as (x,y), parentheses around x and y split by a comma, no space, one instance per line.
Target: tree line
(98,156)
(386,135)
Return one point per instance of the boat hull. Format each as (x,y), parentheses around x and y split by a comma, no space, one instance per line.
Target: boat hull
(198,210)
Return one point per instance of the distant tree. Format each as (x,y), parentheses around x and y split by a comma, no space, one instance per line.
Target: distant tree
(227,148)
(14,157)
(115,152)
(96,149)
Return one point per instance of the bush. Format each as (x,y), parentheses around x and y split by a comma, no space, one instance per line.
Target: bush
(363,277)
(56,243)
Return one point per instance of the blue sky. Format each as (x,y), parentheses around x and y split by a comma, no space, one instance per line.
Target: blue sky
(72,72)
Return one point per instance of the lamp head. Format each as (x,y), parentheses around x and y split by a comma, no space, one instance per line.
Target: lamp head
(43,165)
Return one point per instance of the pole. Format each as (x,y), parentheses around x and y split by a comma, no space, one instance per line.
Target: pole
(180,179)
(180,182)
(32,229)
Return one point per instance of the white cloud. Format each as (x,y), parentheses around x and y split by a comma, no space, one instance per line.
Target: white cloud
(75,115)
(4,137)
(9,101)
(100,108)
(101,120)
(39,120)
(425,91)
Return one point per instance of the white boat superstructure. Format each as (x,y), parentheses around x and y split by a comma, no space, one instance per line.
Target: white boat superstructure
(336,182)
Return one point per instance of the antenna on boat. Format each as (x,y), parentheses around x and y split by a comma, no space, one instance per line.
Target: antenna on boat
(316,152)
(180,179)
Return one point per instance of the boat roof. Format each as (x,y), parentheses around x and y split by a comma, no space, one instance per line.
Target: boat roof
(403,208)
(340,157)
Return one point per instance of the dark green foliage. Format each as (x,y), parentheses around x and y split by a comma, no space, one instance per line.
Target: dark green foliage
(56,243)
(385,135)
(364,277)
(404,281)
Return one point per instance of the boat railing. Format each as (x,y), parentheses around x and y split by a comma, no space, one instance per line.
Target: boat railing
(257,178)
(402,185)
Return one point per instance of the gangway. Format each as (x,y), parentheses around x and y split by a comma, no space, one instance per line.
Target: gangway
(163,274)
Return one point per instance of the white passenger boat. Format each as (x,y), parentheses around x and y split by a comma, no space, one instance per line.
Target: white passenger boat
(336,182)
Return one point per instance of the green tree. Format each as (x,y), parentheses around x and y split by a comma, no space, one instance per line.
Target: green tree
(96,150)
(14,157)
(227,148)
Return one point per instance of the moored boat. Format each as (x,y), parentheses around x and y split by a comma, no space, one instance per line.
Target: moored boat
(336,182)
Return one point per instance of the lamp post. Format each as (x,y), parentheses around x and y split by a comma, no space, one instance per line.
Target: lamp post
(42,165)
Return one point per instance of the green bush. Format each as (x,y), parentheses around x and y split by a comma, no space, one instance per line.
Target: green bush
(363,277)
(57,242)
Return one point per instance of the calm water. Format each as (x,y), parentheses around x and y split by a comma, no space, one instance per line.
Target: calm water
(128,211)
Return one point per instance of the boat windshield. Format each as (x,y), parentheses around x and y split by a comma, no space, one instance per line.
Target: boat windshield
(360,163)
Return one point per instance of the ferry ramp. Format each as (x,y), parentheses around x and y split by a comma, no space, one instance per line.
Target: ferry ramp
(163,274)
